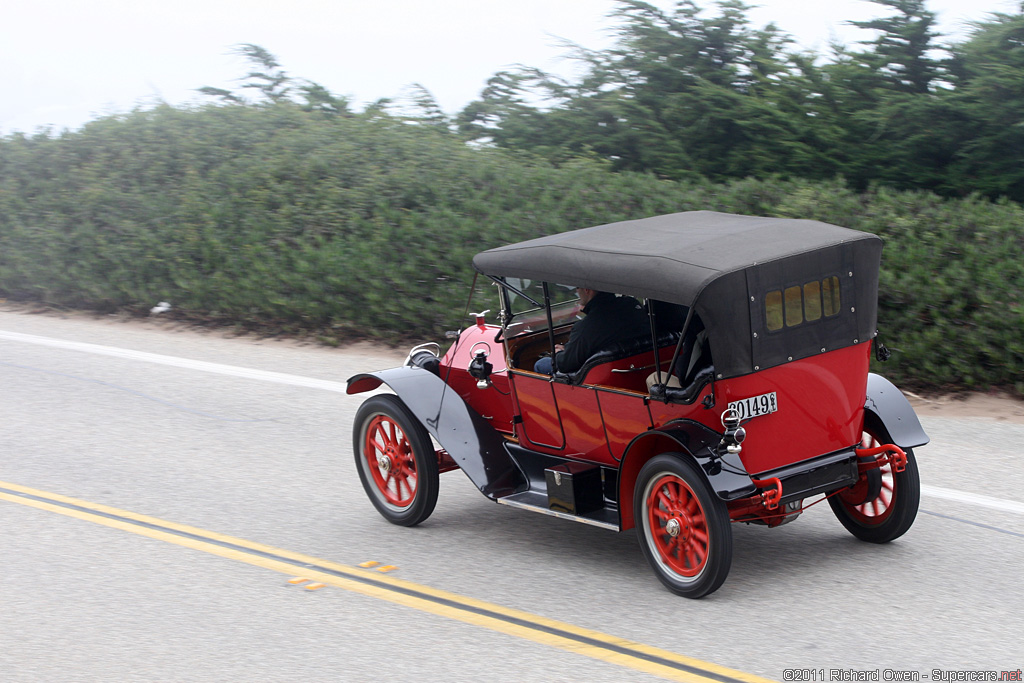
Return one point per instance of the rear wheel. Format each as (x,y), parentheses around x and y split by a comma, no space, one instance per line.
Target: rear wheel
(881,506)
(396,460)
(683,526)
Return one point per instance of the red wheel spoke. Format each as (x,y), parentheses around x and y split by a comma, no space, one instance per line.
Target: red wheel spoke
(692,506)
(692,559)
(700,535)
(701,551)
(403,491)
(673,547)
(382,429)
(379,432)
(671,491)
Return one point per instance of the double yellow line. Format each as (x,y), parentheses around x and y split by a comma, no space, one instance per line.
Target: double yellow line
(595,644)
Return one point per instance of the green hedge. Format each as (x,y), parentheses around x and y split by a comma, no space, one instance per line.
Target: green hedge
(277,219)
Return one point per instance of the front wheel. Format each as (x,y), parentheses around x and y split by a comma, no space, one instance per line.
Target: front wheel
(683,526)
(883,505)
(396,460)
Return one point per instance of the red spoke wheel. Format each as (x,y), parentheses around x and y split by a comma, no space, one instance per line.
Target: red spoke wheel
(396,460)
(883,504)
(683,526)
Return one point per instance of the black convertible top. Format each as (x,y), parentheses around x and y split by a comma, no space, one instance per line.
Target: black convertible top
(668,258)
(721,264)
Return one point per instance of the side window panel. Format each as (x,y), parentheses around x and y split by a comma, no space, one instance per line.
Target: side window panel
(794,307)
(812,301)
(773,310)
(830,288)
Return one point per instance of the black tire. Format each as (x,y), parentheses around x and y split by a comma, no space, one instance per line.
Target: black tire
(889,514)
(678,517)
(396,460)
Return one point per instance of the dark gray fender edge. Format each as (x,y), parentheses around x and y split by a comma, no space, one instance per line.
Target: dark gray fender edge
(894,410)
(727,476)
(477,447)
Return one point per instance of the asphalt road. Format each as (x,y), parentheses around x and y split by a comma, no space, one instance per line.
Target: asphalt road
(258,465)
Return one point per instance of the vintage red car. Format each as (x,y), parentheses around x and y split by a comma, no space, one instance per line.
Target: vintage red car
(744,392)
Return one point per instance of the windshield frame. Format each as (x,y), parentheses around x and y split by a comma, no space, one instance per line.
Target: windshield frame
(540,316)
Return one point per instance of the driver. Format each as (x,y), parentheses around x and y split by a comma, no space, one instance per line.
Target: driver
(607,319)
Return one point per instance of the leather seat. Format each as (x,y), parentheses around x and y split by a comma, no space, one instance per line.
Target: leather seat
(618,351)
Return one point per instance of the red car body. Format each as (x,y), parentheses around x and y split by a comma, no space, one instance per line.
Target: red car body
(749,394)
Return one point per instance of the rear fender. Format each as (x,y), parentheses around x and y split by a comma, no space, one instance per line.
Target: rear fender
(693,440)
(477,448)
(894,410)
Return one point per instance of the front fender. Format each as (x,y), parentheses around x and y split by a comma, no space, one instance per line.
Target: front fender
(894,410)
(473,443)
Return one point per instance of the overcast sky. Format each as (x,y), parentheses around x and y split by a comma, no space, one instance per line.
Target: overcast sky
(65,62)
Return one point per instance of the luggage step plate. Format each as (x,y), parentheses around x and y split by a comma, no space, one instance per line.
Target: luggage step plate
(538,502)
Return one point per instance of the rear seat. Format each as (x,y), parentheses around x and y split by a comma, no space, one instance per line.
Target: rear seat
(636,353)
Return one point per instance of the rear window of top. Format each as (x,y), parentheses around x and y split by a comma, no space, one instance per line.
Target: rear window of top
(799,304)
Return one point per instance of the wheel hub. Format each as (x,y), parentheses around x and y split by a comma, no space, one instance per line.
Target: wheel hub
(674,527)
(384,462)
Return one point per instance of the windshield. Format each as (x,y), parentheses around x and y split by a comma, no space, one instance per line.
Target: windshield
(526,313)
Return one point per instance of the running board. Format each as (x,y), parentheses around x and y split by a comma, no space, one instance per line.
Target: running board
(538,502)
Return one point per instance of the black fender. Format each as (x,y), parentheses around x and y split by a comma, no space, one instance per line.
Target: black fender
(477,447)
(727,476)
(889,404)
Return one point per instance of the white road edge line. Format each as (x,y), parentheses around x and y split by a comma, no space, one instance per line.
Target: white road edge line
(203,366)
(973,499)
(340,387)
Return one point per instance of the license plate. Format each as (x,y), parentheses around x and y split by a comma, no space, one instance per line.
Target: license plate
(755,405)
